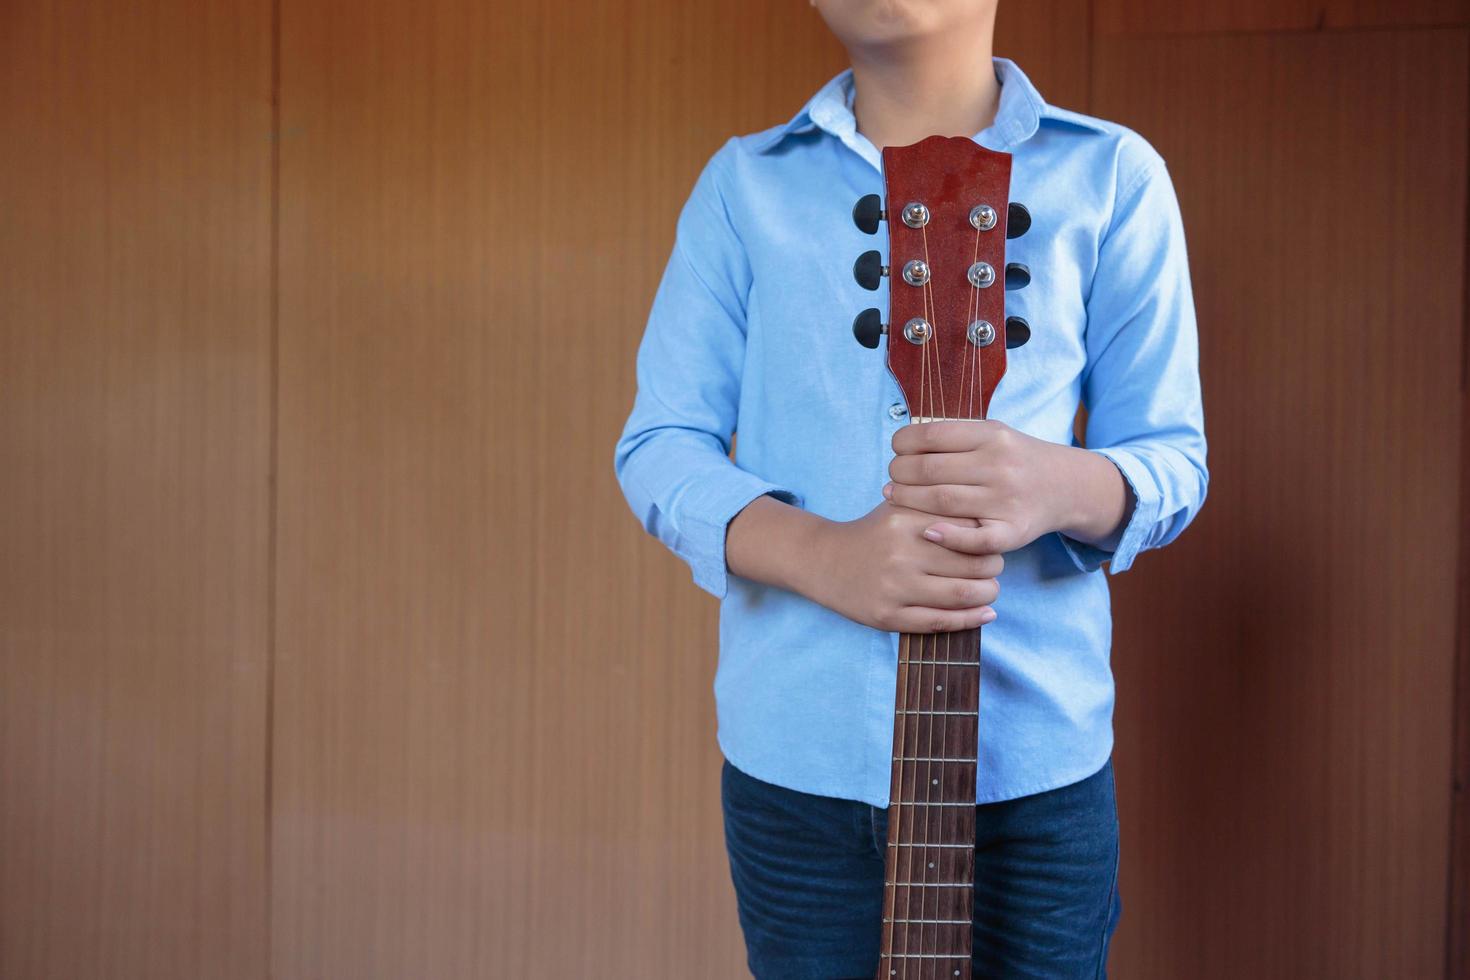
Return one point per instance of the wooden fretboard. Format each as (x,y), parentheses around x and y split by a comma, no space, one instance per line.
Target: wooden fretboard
(929,884)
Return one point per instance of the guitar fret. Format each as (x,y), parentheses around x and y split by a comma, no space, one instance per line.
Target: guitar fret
(906,844)
(930,884)
(917,803)
(939,663)
(920,758)
(970,714)
(925,956)
(933,922)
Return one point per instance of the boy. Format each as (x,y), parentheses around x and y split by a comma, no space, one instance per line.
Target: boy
(838,525)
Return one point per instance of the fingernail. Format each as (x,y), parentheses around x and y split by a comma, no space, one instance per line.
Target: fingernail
(932,534)
(887,490)
(987,617)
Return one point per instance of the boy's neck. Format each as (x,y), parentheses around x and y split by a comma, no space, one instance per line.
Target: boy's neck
(944,86)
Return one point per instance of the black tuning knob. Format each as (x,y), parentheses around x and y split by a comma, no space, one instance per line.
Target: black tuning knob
(867,212)
(868,326)
(1018,331)
(1018,219)
(1017,276)
(868,269)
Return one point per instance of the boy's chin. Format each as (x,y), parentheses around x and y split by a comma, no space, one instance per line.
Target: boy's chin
(867,23)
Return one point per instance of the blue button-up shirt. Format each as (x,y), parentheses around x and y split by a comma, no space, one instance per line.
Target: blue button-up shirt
(749,333)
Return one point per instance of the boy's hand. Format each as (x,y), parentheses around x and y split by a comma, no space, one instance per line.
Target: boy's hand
(880,571)
(1015,486)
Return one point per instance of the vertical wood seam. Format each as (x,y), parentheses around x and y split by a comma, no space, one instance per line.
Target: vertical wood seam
(1457,877)
(272,484)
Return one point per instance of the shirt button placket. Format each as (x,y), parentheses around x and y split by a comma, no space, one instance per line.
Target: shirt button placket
(896,411)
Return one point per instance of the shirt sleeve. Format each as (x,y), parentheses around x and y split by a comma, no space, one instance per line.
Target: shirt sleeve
(673,458)
(1141,386)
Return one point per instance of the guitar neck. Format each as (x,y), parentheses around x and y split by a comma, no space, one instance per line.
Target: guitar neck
(946,203)
(929,893)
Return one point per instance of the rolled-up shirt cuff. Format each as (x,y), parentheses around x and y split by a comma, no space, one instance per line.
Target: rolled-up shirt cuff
(709,518)
(1146,500)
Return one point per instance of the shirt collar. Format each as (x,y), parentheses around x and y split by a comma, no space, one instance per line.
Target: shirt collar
(1017,117)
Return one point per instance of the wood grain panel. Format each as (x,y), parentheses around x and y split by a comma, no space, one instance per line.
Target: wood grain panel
(134,472)
(1285,676)
(1155,17)
(1051,41)
(494,727)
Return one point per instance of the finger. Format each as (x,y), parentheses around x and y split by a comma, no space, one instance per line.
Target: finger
(919,619)
(939,592)
(943,437)
(945,500)
(958,564)
(987,539)
(931,469)
(920,520)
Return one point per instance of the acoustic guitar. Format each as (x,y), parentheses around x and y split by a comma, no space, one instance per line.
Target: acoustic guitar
(949,214)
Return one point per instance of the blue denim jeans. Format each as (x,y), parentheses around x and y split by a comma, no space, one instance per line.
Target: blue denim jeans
(808,874)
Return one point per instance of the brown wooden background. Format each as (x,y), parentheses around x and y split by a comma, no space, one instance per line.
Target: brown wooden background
(328,648)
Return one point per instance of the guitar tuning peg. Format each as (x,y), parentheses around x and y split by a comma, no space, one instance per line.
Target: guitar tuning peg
(867,212)
(1018,331)
(868,326)
(869,269)
(1017,276)
(1018,220)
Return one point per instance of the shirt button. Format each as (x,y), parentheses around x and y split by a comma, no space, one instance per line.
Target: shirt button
(896,411)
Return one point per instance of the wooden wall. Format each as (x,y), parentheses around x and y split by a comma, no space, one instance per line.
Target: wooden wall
(328,648)
(135,469)
(1286,675)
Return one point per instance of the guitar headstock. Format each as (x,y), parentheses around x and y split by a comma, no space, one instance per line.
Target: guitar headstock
(949,214)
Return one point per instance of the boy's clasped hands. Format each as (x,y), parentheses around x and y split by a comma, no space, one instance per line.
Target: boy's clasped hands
(961,495)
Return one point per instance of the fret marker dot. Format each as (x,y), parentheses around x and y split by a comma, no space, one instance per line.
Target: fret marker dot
(931,864)
(938,687)
(936,782)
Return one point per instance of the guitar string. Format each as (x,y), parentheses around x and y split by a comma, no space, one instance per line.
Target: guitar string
(968,392)
(925,407)
(977,408)
(972,313)
(905,661)
(932,314)
(944,834)
(930,379)
(970,384)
